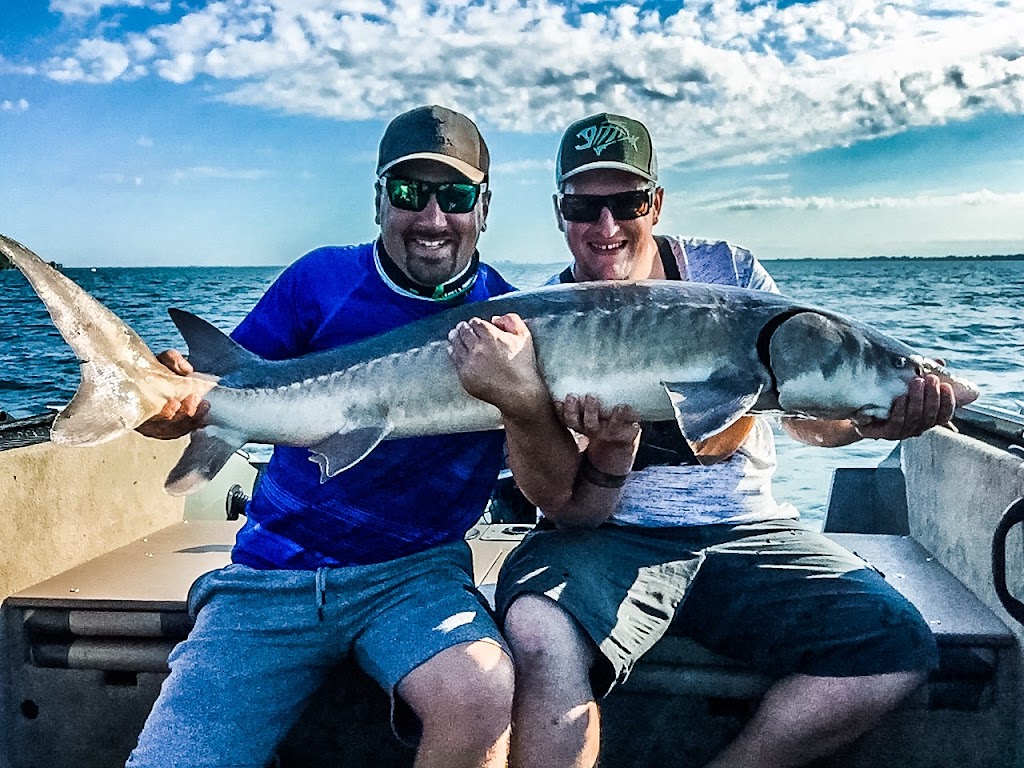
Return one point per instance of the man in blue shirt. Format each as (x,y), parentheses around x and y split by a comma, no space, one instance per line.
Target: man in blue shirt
(372,562)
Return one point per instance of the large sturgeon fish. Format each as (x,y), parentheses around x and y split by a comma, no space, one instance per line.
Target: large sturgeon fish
(704,355)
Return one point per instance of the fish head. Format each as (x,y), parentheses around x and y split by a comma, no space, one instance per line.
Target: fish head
(827,367)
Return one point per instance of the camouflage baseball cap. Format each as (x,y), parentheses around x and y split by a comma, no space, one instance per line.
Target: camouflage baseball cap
(606,141)
(435,133)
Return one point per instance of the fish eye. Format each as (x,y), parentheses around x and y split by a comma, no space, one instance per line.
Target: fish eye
(900,362)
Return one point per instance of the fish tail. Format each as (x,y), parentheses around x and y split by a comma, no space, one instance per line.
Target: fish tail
(108,404)
(123,384)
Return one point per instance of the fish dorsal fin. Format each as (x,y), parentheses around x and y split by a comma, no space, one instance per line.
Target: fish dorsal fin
(705,408)
(346,449)
(210,350)
(208,451)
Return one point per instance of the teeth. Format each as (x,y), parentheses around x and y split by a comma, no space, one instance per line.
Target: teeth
(608,247)
(430,243)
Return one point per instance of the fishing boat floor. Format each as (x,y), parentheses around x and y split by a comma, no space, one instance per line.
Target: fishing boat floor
(86,653)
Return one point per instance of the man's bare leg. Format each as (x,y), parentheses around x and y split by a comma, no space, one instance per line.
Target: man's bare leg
(803,718)
(555,718)
(463,697)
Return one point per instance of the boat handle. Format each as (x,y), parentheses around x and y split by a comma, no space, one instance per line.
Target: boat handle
(1012,515)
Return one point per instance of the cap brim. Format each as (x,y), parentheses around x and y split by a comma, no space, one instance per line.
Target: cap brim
(608,165)
(475,175)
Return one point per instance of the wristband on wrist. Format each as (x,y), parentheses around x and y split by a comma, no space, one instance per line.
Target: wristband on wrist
(595,476)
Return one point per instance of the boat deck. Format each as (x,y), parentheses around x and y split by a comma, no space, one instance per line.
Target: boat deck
(104,629)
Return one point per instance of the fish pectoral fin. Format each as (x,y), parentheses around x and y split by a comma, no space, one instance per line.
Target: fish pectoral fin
(208,451)
(346,449)
(706,409)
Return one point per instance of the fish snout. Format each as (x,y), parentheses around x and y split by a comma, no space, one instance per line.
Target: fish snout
(963,390)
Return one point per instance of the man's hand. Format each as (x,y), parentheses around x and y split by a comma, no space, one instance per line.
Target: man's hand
(612,435)
(928,403)
(496,363)
(178,417)
(586,416)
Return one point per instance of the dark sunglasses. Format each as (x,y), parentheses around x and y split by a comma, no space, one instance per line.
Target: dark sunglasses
(623,205)
(413,195)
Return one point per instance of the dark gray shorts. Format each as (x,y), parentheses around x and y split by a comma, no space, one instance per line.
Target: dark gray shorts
(777,595)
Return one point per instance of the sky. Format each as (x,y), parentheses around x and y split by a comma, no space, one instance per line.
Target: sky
(166,132)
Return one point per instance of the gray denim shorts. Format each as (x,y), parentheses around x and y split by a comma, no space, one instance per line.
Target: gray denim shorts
(777,595)
(264,640)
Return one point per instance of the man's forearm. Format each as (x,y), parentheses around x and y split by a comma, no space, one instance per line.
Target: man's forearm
(570,488)
(597,487)
(543,457)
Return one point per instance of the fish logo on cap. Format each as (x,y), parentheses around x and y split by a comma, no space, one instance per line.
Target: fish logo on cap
(600,137)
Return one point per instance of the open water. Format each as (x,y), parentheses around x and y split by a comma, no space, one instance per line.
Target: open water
(969,312)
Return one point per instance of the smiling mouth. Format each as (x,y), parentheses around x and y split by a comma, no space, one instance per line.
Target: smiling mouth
(428,245)
(608,247)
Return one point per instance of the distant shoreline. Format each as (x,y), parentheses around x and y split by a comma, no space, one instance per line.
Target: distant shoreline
(558,265)
(978,257)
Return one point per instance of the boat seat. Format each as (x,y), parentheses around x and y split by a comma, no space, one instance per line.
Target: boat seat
(103,630)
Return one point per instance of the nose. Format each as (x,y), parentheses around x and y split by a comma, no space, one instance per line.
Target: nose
(606,223)
(432,213)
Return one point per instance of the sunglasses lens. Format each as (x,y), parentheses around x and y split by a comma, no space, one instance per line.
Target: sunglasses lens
(623,206)
(630,205)
(407,195)
(581,208)
(412,195)
(457,198)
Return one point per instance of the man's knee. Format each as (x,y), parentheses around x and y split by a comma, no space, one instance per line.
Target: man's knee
(469,682)
(543,634)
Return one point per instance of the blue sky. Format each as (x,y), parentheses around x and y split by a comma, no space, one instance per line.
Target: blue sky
(165,132)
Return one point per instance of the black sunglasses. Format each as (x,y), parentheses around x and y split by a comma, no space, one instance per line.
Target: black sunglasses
(413,195)
(623,205)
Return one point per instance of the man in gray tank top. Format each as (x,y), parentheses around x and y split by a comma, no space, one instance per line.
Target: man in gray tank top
(647,538)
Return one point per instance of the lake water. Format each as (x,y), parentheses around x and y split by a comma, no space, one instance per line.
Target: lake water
(968,312)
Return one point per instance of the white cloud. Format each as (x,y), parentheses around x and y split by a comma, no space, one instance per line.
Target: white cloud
(927,202)
(144,141)
(718,83)
(523,166)
(7,66)
(211,172)
(120,178)
(81,8)
(18,105)
(95,61)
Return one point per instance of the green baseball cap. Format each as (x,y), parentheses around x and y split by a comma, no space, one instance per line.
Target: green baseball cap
(606,141)
(435,133)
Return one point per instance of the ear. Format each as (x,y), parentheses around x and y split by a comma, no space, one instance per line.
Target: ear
(377,190)
(558,214)
(659,197)
(485,207)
